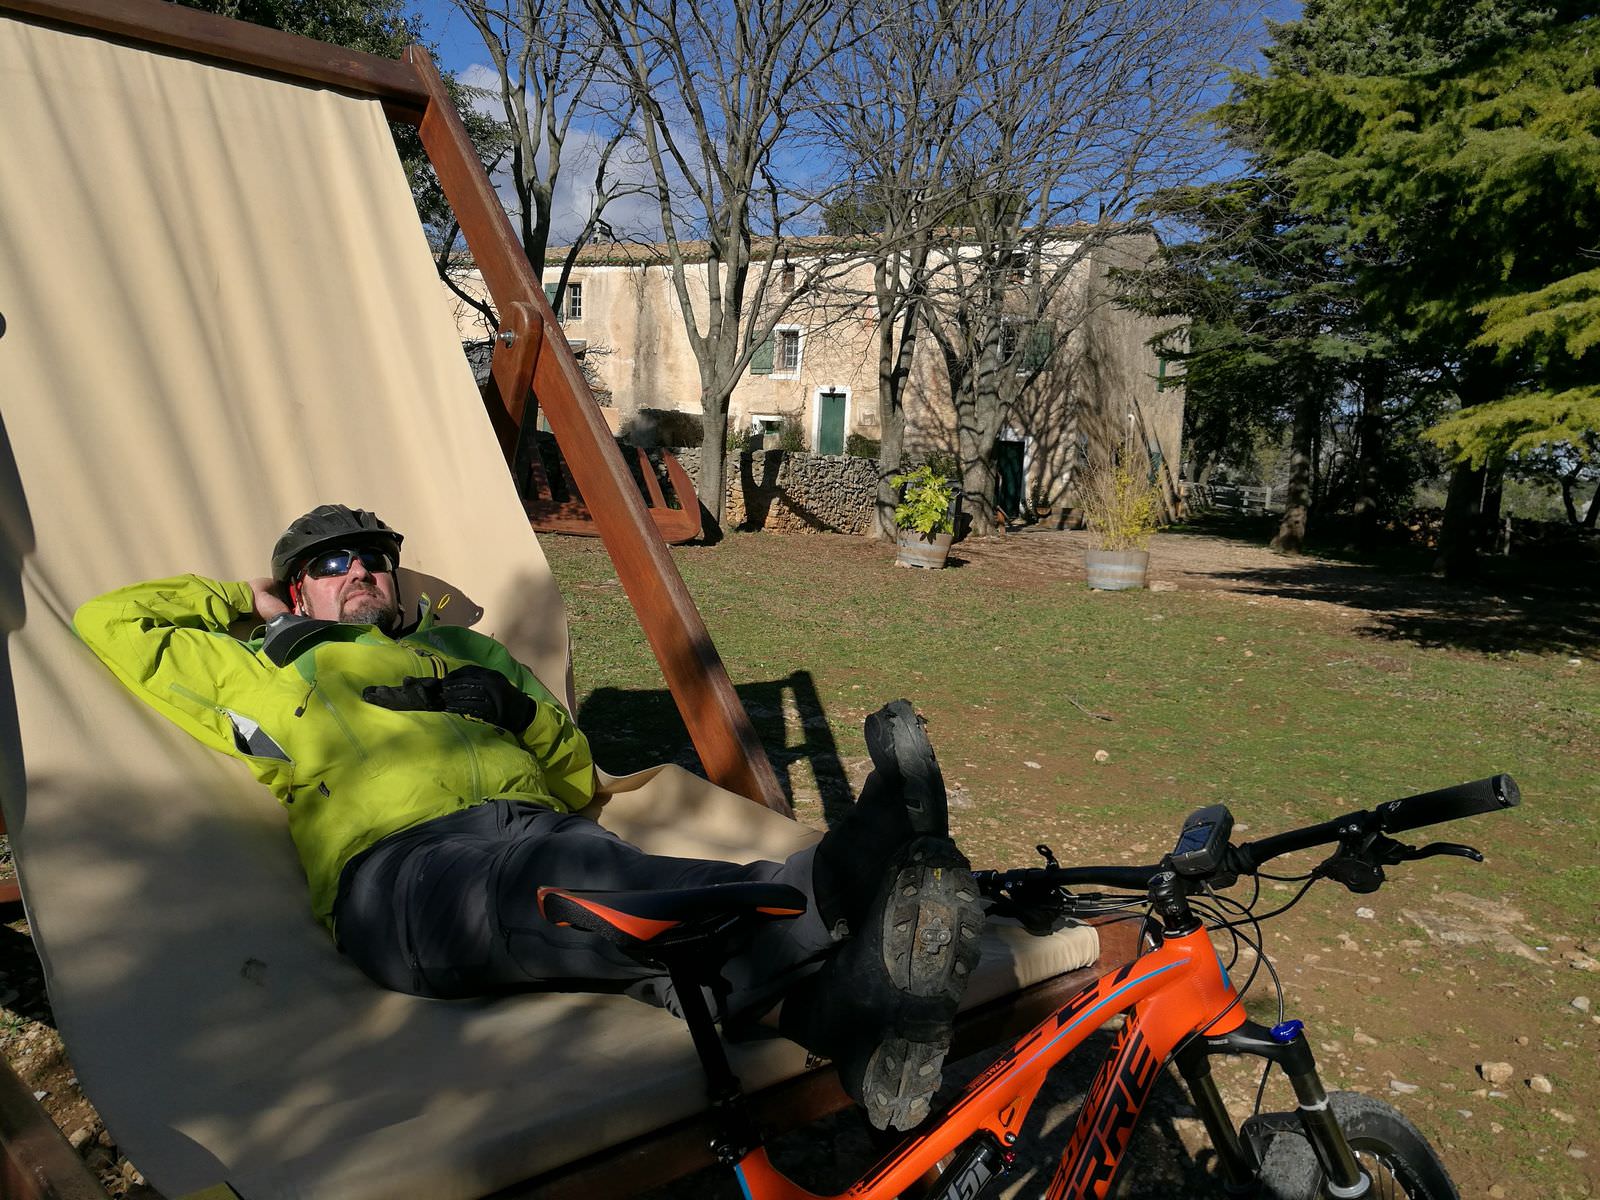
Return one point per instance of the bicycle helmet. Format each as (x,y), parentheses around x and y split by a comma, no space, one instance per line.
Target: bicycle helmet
(330,527)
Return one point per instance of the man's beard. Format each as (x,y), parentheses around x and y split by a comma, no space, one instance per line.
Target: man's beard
(369,608)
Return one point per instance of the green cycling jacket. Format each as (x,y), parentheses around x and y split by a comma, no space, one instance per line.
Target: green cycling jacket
(348,772)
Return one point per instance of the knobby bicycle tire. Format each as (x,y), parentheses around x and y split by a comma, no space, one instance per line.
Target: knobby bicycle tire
(1402,1164)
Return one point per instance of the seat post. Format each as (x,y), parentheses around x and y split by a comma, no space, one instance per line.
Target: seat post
(734,1135)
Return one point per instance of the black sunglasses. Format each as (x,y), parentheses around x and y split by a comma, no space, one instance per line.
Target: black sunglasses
(339,562)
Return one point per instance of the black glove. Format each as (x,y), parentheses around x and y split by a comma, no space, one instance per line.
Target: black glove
(471,691)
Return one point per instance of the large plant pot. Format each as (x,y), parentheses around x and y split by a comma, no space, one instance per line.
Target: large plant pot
(1116,570)
(922,549)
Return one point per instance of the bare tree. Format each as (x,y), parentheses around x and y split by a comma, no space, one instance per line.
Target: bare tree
(893,108)
(1082,108)
(562,113)
(717,84)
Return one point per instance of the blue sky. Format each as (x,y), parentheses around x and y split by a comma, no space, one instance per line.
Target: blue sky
(459,46)
(459,49)
(457,41)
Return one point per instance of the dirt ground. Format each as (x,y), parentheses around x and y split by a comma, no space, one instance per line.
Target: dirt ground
(1171,1158)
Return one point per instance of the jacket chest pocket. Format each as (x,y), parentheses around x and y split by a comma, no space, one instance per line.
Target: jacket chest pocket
(320,698)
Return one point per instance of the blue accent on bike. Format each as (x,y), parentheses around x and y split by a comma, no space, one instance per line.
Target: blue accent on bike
(744,1188)
(1087,1013)
(1221,966)
(1287,1032)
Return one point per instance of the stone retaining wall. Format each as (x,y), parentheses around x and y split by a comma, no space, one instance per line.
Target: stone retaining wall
(788,491)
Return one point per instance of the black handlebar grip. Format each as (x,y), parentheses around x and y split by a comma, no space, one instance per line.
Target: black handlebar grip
(1449,804)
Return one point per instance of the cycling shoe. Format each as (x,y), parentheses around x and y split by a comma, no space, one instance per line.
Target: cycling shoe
(904,759)
(882,1007)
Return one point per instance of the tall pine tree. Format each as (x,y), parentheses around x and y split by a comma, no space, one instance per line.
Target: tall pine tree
(1462,139)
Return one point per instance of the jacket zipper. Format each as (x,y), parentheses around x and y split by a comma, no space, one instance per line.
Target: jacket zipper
(344,725)
(436,665)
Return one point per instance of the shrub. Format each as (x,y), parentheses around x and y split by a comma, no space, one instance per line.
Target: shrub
(1120,502)
(860,446)
(942,462)
(793,434)
(666,427)
(925,503)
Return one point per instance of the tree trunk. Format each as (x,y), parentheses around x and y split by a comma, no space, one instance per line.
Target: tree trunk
(891,457)
(1291,536)
(977,432)
(894,366)
(1594,509)
(1462,507)
(1480,380)
(1494,487)
(978,486)
(1368,508)
(712,487)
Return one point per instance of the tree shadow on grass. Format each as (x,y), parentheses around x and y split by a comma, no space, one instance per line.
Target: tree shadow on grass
(1534,603)
(633,729)
(1493,618)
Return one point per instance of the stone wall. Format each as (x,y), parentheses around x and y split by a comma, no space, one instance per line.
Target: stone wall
(784,491)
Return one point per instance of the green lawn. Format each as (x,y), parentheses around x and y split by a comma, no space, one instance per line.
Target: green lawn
(1288,711)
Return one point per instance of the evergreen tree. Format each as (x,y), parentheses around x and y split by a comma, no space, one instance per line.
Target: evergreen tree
(1274,335)
(1462,141)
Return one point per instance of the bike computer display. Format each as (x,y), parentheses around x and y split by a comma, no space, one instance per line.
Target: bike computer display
(1203,841)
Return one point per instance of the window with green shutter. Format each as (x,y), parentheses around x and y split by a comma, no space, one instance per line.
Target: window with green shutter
(550,293)
(761,359)
(1041,344)
(1163,380)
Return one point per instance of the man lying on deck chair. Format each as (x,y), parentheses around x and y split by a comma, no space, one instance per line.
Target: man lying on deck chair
(431,782)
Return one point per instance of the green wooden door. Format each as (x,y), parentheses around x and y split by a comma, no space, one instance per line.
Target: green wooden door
(830,423)
(1008,488)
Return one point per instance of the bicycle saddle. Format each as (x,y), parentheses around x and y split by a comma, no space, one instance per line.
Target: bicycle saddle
(654,923)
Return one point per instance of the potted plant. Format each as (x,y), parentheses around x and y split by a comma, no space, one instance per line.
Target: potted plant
(1120,505)
(925,518)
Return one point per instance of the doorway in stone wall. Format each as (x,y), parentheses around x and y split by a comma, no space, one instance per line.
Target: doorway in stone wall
(832,408)
(1010,471)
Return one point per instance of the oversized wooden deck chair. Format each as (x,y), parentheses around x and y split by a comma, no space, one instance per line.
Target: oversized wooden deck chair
(216,309)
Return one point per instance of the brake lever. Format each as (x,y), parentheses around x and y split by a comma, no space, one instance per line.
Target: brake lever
(1359,863)
(1455,849)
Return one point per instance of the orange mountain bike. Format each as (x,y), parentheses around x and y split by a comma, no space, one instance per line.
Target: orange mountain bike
(1180,1004)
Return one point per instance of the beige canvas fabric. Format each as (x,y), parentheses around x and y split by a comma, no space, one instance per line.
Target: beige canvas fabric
(219,310)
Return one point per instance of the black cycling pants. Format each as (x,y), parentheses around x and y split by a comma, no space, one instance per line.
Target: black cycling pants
(447,909)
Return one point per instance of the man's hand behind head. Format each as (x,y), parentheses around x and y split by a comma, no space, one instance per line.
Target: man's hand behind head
(271,600)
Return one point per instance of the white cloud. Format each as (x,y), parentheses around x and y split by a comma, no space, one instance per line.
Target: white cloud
(630,216)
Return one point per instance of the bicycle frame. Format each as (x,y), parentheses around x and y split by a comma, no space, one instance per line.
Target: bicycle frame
(1178,989)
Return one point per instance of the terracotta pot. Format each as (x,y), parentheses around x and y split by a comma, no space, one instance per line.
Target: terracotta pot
(1116,570)
(922,549)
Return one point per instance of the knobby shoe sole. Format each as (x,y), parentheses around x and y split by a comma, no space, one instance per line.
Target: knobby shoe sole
(929,942)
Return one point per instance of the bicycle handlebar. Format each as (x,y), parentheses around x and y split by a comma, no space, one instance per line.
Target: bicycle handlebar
(1449,804)
(1396,816)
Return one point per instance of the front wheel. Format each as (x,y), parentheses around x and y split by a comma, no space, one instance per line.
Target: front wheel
(1389,1148)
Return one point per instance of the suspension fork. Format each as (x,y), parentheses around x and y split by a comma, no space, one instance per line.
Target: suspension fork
(1286,1046)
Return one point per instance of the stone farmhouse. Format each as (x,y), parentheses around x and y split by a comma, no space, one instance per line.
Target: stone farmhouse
(1102,385)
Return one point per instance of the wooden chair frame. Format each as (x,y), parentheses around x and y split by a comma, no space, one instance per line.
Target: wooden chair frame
(531,358)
